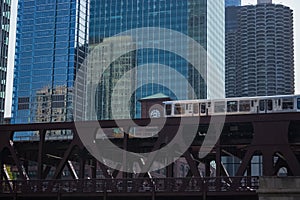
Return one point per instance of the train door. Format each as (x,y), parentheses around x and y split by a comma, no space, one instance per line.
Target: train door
(277,105)
(262,106)
(189,109)
(270,105)
(203,109)
(265,106)
(168,110)
(195,109)
(253,106)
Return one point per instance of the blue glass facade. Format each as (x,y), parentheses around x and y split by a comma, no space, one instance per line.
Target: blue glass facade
(51,44)
(232,3)
(111,17)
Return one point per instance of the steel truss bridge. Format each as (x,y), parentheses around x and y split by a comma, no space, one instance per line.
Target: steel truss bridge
(274,137)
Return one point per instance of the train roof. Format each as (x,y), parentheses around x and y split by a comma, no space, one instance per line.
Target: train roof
(231,98)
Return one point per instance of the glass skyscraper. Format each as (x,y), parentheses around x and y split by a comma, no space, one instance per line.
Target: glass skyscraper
(4,38)
(201,20)
(51,44)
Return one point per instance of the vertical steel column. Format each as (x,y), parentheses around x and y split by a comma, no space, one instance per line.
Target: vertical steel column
(218,159)
(207,168)
(170,170)
(125,148)
(83,156)
(94,168)
(41,153)
(1,172)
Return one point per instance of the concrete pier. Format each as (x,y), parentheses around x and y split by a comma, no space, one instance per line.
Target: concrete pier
(279,188)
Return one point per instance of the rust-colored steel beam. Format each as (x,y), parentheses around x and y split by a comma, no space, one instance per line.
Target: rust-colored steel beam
(269,134)
(270,137)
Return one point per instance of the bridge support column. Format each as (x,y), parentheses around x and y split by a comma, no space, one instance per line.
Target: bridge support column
(207,168)
(170,170)
(279,188)
(1,166)
(270,138)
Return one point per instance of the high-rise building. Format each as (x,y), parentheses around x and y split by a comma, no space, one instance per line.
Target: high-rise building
(4,39)
(51,44)
(260,50)
(202,21)
(232,3)
(231,27)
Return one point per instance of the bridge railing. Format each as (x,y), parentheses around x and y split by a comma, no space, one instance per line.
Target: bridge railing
(135,185)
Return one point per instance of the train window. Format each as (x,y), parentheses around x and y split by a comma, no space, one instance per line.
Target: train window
(195,108)
(287,104)
(179,109)
(219,107)
(252,103)
(244,106)
(270,105)
(208,104)
(168,109)
(203,108)
(262,105)
(298,103)
(232,106)
(279,102)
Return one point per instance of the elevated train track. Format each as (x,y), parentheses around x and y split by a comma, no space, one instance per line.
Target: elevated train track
(275,137)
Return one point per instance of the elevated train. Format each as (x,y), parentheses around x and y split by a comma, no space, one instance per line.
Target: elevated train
(232,106)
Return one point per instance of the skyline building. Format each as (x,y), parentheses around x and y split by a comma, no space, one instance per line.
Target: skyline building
(203,21)
(51,44)
(231,28)
(4,39)
(259,50)
(232,3)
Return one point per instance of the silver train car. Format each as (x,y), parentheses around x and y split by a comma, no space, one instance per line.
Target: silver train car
(232,106)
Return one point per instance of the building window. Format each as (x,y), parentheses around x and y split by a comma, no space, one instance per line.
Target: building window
(23,106)
(23,100)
